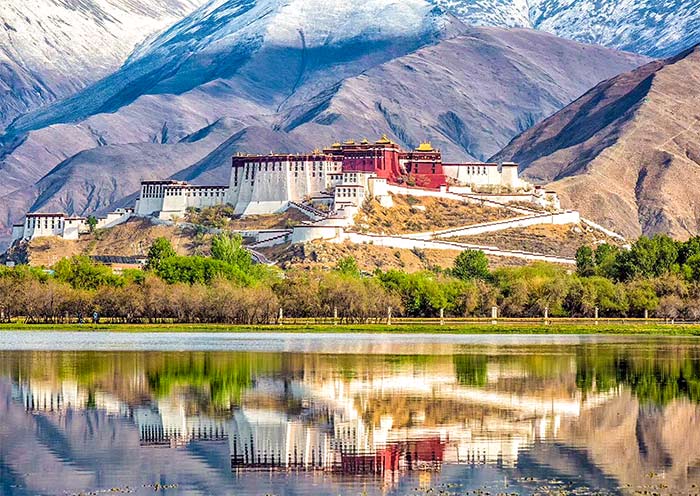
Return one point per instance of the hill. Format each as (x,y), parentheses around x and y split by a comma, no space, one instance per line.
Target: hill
(627,153)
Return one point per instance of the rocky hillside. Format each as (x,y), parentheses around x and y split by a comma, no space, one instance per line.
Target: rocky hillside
(49,49)
(206,86)
(627,153)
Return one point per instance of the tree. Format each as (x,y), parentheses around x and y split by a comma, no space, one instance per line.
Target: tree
(82,273)
(585,262)
(92,223)
(159,251)
(605,256)
(228,247)
(642,297)
(692,268)
(348,267)
(666,254)
(471,264)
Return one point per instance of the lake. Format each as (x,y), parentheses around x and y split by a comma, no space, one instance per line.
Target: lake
(329,415)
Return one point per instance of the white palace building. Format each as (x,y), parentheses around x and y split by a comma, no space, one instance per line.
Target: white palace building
(339,179)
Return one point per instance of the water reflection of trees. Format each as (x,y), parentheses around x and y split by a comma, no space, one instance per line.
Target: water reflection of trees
(217,381)
(657,375)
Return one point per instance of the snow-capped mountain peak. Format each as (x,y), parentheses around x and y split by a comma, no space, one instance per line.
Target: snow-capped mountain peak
(649,27)
(51,48)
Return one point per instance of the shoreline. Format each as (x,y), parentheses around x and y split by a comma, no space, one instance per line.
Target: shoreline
(655,328)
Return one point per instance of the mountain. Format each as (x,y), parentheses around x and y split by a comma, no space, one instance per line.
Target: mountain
(648,27)
(627,153)
(292,75)
(50,49)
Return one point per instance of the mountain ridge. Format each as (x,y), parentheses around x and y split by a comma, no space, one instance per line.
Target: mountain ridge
(634,160)
(53,48)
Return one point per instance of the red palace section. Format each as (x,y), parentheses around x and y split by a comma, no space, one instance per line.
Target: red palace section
(421,167)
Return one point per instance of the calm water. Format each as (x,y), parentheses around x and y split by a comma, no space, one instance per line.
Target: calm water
(348,415)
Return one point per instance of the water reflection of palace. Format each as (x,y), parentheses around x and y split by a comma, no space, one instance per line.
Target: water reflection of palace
(398,419)
(608,416)
(163,423)
(383,419)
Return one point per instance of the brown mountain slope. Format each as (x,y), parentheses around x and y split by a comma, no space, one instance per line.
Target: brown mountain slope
(627,153)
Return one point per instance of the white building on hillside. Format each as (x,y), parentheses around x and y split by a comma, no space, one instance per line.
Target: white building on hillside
(61,225)
(39,225)
(168,199)
(484,175)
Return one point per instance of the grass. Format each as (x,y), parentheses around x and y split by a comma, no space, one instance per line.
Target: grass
(651,328)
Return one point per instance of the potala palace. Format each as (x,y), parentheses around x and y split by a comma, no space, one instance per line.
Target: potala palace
(328,185)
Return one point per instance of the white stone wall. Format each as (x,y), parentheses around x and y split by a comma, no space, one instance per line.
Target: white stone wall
(267,187)
(379,190)
(58,225)
(486,175)
(73,227)
(119,216)
(570,217)
(150,199)
(204,197)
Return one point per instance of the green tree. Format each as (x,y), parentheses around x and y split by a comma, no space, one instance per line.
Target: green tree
(92,223)
(585,262)
(688,249)
(228,247)
(642,297)
(692,268)
(348,267)
(159,251)
(82,273)
(605,256)
(666,254)
(471,264)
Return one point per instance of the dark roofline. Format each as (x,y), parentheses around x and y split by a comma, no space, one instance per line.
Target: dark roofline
(42,214)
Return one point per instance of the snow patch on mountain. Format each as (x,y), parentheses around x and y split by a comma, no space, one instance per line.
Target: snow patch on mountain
(499,13)
(49,49)
(324,24)
(650,27)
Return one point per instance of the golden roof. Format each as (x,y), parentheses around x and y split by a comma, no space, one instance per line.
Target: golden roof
(384,140)
(425,147)
(365,141)
(350,142)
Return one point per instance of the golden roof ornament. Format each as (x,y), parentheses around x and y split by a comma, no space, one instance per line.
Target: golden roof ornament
(425,146)
(384,140)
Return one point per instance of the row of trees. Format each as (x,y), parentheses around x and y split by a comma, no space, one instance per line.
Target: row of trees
(647,258)
(228,287)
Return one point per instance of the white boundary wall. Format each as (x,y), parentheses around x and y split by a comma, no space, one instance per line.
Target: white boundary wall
(570,217)
(410,244)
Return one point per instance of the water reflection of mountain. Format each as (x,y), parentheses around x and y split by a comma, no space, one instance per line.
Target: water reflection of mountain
(344,415)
